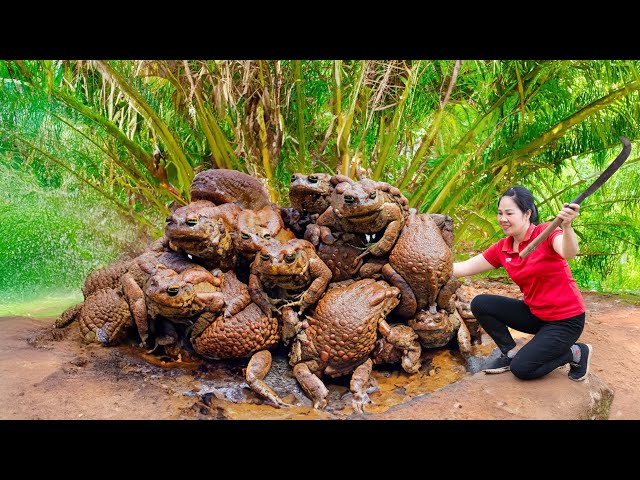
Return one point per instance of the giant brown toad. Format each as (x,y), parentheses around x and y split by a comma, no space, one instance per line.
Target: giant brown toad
(399,345)
(180,297)
(309,196)
(204,231)
(241,331)
(220,185)
(366,207)
(257,227)
(310,193)
(102,315)
(340,333)
(178,289)
(420,264)
(438,329)
(344,258)
(286,275)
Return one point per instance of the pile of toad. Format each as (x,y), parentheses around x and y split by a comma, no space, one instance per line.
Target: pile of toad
(346,277)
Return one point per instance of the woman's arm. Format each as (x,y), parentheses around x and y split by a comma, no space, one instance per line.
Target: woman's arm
(567,244)
(477,264)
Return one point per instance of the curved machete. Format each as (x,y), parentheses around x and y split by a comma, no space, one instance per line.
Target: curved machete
(604,176)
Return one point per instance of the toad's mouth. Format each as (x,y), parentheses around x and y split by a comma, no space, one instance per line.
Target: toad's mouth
(190,237)
(307,190)
(288,278)
(425,321)
(420,326)
(360,217)
(285,276)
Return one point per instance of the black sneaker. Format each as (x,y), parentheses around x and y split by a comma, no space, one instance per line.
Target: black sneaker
(499,365)
(578,371)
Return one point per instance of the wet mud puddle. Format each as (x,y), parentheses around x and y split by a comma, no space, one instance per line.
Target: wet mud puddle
(220,390)
(196,388)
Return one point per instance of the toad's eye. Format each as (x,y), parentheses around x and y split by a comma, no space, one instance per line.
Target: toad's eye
(399,296)
(290,258)
(168,219)
(267,236)
(373,195)
(264,257)
(173,291)
(244,236)
(191,221)
(293,178)
(349,199)
(312,179)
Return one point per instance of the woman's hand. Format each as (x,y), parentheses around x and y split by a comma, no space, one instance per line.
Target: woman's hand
(567,244)
(568,214)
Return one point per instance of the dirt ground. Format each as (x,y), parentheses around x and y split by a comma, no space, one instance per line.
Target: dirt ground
(46,374)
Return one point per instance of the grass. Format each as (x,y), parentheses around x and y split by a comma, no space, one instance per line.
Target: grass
(45,303)
(51,239)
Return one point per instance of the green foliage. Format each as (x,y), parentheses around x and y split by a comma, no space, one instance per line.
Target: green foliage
(452,134)
(51,238)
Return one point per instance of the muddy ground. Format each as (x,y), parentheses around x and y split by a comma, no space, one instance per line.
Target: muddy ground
(47,374)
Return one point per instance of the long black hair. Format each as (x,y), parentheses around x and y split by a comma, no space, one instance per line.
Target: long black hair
(523,198)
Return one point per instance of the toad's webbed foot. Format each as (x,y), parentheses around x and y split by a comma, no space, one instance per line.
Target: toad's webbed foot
(359,401)
(298,300)
(365,252)
(296,303)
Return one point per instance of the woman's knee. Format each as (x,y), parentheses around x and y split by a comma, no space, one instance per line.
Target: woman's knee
(479,304)
(523,370)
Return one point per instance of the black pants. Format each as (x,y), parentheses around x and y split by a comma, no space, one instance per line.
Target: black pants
(550,347)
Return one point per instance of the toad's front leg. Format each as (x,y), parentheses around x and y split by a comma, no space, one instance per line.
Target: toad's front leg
(463,337)
(236,294)
(405,339)
(322,276)
(135,298)
(391,234)
(259,296)
(408,302)
(319,233)
(69,315)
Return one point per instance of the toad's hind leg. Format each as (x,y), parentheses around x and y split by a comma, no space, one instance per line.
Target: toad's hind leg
(360,381)
(68,316)
(258,368)
(312,385)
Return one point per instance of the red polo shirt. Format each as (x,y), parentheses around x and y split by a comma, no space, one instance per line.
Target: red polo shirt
(544,277)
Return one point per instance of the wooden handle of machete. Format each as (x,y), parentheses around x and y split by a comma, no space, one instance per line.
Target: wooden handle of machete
(541,238)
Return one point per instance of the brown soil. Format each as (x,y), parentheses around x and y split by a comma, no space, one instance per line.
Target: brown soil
(51,374)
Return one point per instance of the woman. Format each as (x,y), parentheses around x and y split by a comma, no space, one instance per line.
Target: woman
(552,309)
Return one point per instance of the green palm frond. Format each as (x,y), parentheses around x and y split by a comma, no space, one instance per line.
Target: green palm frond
(451,134)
